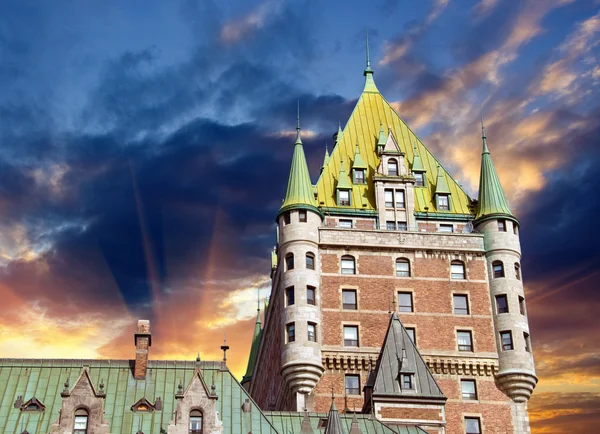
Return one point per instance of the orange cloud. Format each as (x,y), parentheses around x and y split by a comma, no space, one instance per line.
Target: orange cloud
(234,31)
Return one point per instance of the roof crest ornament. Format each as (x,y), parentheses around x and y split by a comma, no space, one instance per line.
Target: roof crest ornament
(298,139)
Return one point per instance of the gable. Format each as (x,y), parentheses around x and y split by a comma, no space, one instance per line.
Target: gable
(371,112)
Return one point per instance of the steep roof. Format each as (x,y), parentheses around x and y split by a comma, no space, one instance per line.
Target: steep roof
(492,201)
(372,115)
(400,356)
(253,349)
(45,378)
(334,423)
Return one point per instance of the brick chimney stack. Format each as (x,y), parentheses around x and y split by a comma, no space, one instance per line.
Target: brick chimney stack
(143,340)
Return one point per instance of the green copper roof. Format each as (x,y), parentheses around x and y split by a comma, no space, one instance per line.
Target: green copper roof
(417,165)
(492,201)
(343,180)
(441,186)
(253,349)
(45,378)
(358,162)
(381,141)
(300,192)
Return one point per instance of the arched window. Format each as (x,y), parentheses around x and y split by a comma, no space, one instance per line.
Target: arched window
(81,421)
(402,267)
(348,265)
(517,271)
(392,167)
(310,261)
(289,261)
(195,422)
(498,268)
(457,270)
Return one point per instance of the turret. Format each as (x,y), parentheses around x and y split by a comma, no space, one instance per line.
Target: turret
(299,220)
(253,350)
(516,374)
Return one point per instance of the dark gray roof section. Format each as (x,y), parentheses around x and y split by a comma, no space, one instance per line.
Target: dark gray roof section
(334,424)
(400,356)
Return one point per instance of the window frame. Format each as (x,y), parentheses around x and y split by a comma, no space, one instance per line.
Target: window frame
(522,307)
(403,273)
(343,202)
(349,390)
(517,271)
(388,198)
(310,260)
(498,269)
(196,414)
(349,342)
(399,204)
(501,225)
(457,262)
(313,301)
(411,382)
(412,331)
(390,225)
(401,226)
(359,180)
(314,331)
(475,419)
(527,338)
(455,308)
(290,296)
(468,396)
(349,271)
(345,222)
(287,219)
(290,332)
(81,413)
(419,179)
(506,308)
(443,206)
(289,257)
(348,306)
(507,346)
(393,162)
(402,307)
(447,228)
(465,348)
(302,216)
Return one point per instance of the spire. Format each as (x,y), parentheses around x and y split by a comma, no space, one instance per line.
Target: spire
(417,165)
(255,344)
(382,140)
(299,194)
(358,161)
(305,427)
(334,423)
(368,73)
(492,201)
(441,186)
(355,427)
(343,180)
(326,159)
(338,137)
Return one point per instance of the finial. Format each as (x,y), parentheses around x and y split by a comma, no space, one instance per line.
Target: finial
(224,348)
(198,358)
(258,300)
(483,137)
(298,102)
(180,387)
(298,139)
(368,56)
(332,395)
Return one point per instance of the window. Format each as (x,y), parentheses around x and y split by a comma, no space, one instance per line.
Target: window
(390,226)
(517,271)
(345,224)
(457,270)
(461,304)
(507,342)
(352,385)
(443,202)
(389,198)
(81,422)
(344,197)
(402,226)
(527,342)
(465,341)
(302,216)
(407,381)
(446,228)
(472,425)
(351,336)
(349,299)
(515,230)
(502,225)
(498,268)
(291,332)
(399,196)
(411,334)
(310,261)
(392,167)
(310,295)
(468,389)
(195,422)
(290,298)
(502,303)
(348,266)
(420,179)
(289,261)
(405,302)
(312,332)
(359,176)
(522,305)
(286,218)
(402,267)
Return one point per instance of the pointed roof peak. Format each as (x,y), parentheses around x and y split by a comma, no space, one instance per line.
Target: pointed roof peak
(417,164)
(343,180)
(368,73)
(358,163)
(441,185)
(334,423)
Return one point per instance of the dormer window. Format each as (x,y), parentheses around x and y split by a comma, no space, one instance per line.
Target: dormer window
(359,176)
(443,202)
(81,422)
(392,167)
(344,197)
(195,422)
(407,381)
(420,177)
(32,405)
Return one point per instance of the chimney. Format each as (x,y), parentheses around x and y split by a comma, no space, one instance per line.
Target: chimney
(143,340)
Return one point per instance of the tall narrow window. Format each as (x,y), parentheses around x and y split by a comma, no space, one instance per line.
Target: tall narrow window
(517,271)
(498,268)
(468,389)
(527,342)
(351,336)
(312,332)
(348,265)
(359,176)
(507,342)
(443,202)
(411,334)
(302,216)
(389,198)
(286,218)
(515,229)
(457,270)
(290,299)
(392,167)
(291,332)
(195,422)
(310,295)
(399,197)
(522,305)
(349,299)
(352,383)
(502,303)
(472,425)
(407,381)
(344,197)
(405,302)
(461,304)
(420,177)
(289,261)
(465,340)
(310,261)
(502,225)
(402,267)
(81,422)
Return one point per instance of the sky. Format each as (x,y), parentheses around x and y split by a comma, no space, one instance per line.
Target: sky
(145,149)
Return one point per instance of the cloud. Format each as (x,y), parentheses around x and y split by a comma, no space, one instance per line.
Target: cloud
(235,30)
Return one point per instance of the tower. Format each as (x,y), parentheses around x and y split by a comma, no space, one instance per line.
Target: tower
(516,374)
(298,256)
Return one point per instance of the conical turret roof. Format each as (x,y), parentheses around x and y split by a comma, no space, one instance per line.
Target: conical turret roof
(358,162)
(441,186)
(253,349)
(343,180)
(492,201)
(334,424)
(326,158)
(417,165)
